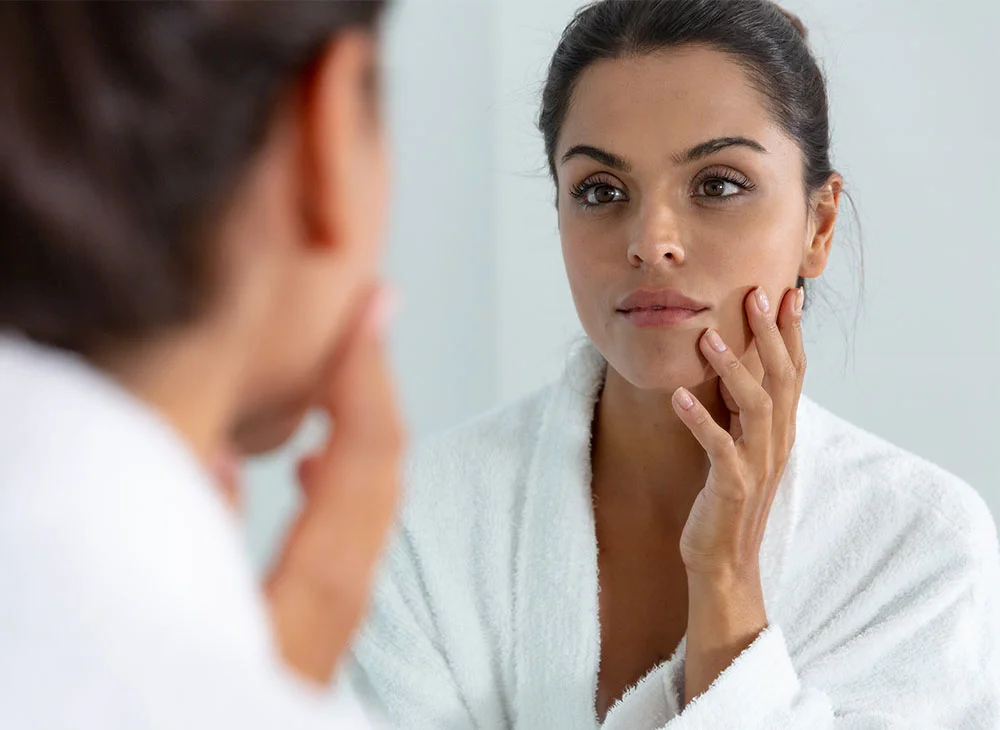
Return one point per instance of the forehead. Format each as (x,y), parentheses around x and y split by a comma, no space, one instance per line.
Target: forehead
(666,102)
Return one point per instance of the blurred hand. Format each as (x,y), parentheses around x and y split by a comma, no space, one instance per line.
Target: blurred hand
(319,587)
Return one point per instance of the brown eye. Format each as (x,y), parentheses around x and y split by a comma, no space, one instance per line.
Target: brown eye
(605,194)
(715,188)
(721,183)
(598,192)
(601,194)
(719,188)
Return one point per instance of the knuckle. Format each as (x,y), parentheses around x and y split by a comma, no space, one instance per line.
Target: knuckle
(742,492)
(763,406)
(768,469)
(735,492)
(725,448)
(801,363)
(701,417)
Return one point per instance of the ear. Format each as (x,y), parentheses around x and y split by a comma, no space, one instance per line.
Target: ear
(337,124)
(824,209)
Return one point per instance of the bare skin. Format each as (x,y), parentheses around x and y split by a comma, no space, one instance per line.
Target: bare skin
(701,193)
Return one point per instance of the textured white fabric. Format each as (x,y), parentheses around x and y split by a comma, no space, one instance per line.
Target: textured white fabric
(126,598)
(881,578)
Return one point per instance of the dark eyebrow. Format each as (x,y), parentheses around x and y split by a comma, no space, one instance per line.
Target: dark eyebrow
(603,156)
(714,145)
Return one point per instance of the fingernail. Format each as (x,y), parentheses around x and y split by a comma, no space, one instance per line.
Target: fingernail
(715,341)
(800,298)
(762,301)
(685,399)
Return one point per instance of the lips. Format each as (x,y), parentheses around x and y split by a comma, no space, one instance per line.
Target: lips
(658,300)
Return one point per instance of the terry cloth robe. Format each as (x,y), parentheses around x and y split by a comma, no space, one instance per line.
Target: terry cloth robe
(127,601)
(880,574)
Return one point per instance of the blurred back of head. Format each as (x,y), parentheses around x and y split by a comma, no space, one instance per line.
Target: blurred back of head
(125,128)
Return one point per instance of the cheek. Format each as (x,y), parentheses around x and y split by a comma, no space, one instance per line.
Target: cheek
(583,267)
(592,249)
(761,245)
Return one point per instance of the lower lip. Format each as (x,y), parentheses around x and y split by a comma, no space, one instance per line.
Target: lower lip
(647,318)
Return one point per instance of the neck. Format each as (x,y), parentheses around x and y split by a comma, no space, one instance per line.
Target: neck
(643,452)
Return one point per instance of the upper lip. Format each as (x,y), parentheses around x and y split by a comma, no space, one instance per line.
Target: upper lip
(659,299)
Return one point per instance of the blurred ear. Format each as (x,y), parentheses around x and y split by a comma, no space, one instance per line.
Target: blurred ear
(338,125)
(823,220)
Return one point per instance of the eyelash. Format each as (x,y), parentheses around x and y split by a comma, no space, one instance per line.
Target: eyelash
(725,174)
(580,190)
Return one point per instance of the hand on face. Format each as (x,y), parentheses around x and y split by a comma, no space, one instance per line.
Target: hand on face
(319,586)
(723,533)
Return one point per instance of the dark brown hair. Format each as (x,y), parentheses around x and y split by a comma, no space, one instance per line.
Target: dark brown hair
(768,42)
(124,129)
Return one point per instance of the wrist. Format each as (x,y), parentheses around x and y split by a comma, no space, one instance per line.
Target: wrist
(725,616)
(724,607)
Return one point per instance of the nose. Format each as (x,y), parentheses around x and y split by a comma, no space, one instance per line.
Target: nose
(656,240)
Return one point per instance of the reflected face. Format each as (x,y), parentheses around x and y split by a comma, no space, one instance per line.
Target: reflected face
(677,195)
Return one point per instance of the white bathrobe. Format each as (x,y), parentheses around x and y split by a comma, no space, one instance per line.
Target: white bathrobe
(880,571)
(126,598)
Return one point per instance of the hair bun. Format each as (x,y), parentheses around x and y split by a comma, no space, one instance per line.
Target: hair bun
(795,21)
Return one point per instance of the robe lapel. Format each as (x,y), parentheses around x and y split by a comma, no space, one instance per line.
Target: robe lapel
(556,631)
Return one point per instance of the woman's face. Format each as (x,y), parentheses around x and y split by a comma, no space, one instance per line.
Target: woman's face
(673,176)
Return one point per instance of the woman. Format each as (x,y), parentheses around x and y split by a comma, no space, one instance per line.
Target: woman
(641,545)
(191,200)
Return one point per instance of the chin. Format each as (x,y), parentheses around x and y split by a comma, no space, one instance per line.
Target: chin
(267,429)
(659,366)
(276,413)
